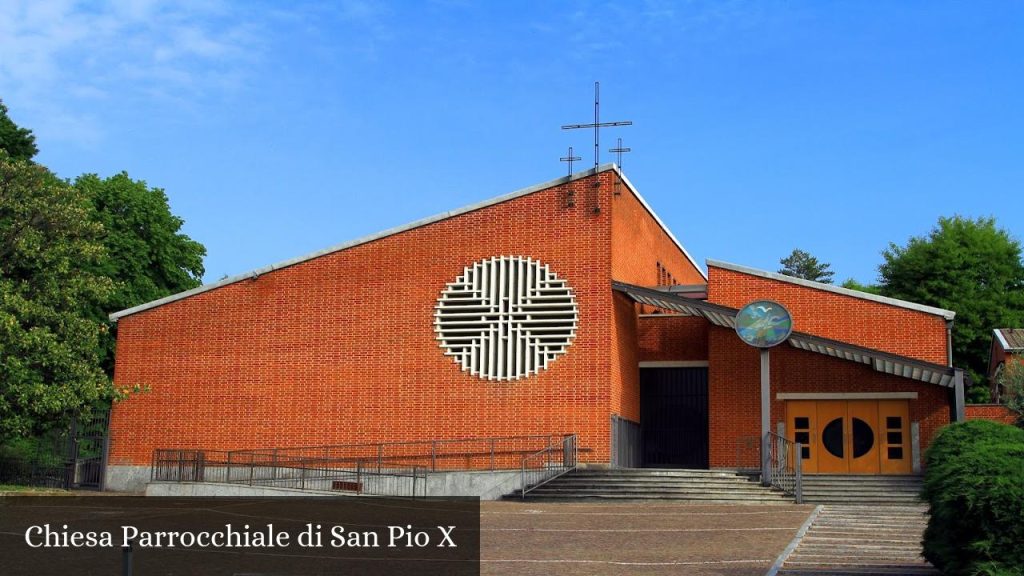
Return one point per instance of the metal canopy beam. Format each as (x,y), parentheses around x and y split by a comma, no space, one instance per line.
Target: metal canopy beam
(725,317)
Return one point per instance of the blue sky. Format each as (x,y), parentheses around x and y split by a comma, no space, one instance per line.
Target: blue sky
(280,128)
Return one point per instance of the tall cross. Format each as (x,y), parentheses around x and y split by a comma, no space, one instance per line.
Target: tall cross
(597,125)
(618,150)
(570,159)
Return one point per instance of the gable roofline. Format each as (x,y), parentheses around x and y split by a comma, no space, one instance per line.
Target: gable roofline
(1007,347)
(947,314)
(664,228)
(114,317)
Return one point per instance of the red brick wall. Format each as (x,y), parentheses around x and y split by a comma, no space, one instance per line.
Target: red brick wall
(994,412)
(639,244)
(853,320)
(342,348)
(735,367)
(667,337)
(625,376)
(734,390)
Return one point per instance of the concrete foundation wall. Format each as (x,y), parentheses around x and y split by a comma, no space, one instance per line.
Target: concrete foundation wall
(486,485)
(127,478)
(189,489)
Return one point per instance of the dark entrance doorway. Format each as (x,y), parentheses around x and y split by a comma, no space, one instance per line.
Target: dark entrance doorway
(674,417)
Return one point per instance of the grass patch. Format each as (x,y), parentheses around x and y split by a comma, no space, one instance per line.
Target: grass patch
(20,488)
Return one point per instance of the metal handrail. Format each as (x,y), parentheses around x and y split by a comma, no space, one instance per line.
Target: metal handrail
(785,464)
(390,466)
(548,463)
(488,453)
(297,473)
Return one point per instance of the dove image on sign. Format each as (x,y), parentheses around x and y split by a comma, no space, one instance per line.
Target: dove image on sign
(764,323)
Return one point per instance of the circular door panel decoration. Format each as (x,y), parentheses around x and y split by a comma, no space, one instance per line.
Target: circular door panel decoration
(863,438)
(832,437)
(505,318)
(764,323)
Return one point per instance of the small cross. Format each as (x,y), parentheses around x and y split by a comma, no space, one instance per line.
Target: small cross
(570,159)
(597,125)
(618,150)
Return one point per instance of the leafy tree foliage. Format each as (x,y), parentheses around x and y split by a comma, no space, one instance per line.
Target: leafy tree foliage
(801,264)
(852,284)
(147,256)
(1011,384)
(975,499)
(70,255)
(49,344)
(17,142)
(969,266)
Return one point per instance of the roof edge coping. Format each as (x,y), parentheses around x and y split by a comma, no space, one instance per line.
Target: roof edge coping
(1003,342)
(947,314)
(668,232)
(252,274)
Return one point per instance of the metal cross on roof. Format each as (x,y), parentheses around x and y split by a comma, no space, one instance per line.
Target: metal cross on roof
(570,159)
(618,150)
(597,125)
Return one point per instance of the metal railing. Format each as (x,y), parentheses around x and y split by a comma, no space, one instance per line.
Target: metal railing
(344,475)
(386,468)
(785,465)
(493,453)
(548,463)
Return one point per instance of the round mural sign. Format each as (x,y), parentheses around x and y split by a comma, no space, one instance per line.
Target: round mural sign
(764,323)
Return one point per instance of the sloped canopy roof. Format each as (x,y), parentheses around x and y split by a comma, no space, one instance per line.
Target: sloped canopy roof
(725,317)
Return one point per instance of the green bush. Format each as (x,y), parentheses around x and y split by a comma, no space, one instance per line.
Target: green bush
(974,486)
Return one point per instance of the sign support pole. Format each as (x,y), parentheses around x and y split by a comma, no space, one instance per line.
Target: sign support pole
(766,470)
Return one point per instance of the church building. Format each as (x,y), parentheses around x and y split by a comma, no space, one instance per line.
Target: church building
(566,307)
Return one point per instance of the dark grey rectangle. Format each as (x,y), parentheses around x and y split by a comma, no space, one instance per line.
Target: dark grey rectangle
(278,536)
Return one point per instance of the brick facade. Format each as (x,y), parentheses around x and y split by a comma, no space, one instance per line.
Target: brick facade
(994,412)
(341,348)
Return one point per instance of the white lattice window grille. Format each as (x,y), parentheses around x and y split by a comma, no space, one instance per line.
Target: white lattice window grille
(506,318)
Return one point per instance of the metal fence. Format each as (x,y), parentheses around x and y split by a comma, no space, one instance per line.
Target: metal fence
(341,475)
(785,465)
(548,463)
(625,443)
(68,456)
(495,453)
(389,468)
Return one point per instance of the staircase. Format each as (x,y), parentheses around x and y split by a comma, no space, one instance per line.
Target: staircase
(861,541)
(862,490)
(698,486)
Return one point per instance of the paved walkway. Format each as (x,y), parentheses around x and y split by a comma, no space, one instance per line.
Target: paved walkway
(862,540)
(634,538)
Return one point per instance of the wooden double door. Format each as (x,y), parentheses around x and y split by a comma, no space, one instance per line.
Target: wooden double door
(851,436)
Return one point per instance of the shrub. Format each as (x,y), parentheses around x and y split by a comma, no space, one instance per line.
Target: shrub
(974,486)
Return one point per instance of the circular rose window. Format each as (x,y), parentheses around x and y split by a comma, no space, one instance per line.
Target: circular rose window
(506,318)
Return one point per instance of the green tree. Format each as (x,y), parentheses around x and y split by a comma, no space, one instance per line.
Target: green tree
(18,142)
(801,264)
(49,343)
(147,256)
(969,266)
(1011,383)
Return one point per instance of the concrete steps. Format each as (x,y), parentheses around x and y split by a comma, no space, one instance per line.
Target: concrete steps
(702,486)
(862,540)
(866,490)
